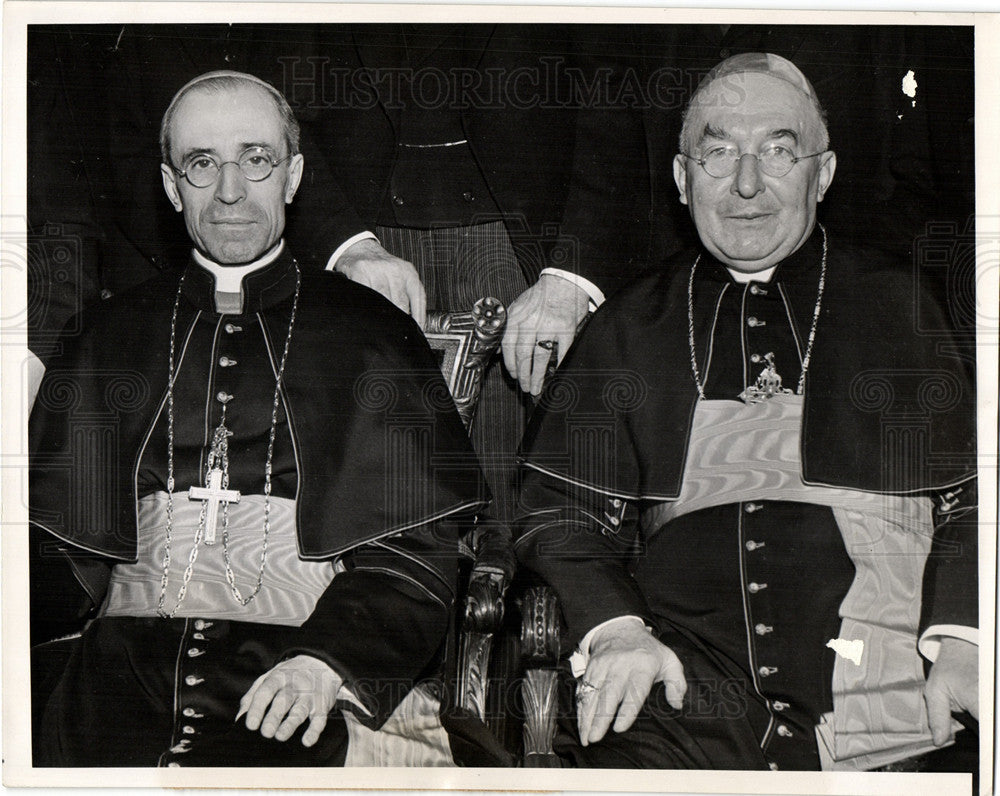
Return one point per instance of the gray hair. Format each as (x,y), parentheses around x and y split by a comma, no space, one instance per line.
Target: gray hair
(219,82)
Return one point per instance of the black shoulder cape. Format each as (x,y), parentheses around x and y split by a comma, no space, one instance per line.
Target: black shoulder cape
(356,367)
(889,396)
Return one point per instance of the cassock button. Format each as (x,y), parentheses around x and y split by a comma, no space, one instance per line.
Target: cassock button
(772,766)
(189,712)
(761,629)
(226,362)
(750,508)
(173,765)
(193,681)
(779,706)
(187,729)
(231,328)
(753,588)
(784,732)
(199,624)
(767,671)
(757,290)
(755,358)
(223,397)
(397,200)
(616,503)
(752,321)
(751,545)
(194,652)
(198,636)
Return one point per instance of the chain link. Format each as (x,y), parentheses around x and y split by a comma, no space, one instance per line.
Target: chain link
(812,331)
(218,454)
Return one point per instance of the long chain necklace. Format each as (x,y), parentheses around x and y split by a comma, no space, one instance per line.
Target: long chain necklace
(216,487)
(768,382)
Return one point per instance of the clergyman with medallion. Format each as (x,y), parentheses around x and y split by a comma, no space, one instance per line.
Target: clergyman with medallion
(212,452)
(752,481)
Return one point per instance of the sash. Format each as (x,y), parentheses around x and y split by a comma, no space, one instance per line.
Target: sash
(290,586)
(742,452)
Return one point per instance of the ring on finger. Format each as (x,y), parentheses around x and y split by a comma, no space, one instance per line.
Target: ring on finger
(585,689)
(548,345)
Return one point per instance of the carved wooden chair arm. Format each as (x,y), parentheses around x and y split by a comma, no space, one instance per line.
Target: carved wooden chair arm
(540,649)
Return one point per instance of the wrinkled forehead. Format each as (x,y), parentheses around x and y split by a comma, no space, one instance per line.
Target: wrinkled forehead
(751,103)
(212,117)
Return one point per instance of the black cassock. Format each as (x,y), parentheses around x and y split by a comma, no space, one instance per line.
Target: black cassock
(372,474)
(748,588)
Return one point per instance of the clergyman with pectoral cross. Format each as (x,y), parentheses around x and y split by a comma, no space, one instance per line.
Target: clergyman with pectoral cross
(759,508)
(270,558)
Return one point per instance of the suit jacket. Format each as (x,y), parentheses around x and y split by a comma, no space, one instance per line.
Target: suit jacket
(568,192)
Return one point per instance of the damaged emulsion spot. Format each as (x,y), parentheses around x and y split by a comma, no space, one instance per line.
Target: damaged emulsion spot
(910,87)
(851,650)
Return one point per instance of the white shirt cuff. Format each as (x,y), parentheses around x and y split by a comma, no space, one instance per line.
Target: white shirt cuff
(343,247)
(588,287)
(581,656)
(930,641)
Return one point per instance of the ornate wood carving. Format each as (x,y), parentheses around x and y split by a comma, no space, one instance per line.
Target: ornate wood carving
(539,693)
(540,627)
(483,614)
(466,341)
(540,651)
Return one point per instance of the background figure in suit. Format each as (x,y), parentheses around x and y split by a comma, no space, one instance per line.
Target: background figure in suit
(459,152)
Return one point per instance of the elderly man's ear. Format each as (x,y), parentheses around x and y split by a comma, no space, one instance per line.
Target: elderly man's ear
(170,186)
(827,167)
(680,176)
(295,166)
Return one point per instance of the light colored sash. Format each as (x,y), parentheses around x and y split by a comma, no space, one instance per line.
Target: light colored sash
(742,452)
(290,588)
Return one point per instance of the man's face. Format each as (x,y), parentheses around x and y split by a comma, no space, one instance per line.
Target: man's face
(234,220)
(750,220)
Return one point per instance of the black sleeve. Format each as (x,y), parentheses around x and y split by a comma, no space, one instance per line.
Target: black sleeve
(951,577)
(382,622)
(608,201)
(582,544)
(322,216)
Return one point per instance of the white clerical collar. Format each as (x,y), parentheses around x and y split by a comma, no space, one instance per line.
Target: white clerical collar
(229,278)
(758,276)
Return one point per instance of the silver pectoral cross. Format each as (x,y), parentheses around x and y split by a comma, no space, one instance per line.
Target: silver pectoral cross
(768,384)
(213,495)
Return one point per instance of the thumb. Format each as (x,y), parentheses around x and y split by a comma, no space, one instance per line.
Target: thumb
(938,713)
(672,676)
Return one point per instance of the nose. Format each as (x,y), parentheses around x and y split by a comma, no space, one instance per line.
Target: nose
(746,181)
(230,186)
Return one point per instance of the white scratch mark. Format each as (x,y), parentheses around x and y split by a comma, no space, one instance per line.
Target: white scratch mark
(910,86)
(852,650)
(899,116)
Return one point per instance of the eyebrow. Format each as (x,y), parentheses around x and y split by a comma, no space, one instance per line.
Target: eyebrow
(713,132)
(784,133)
